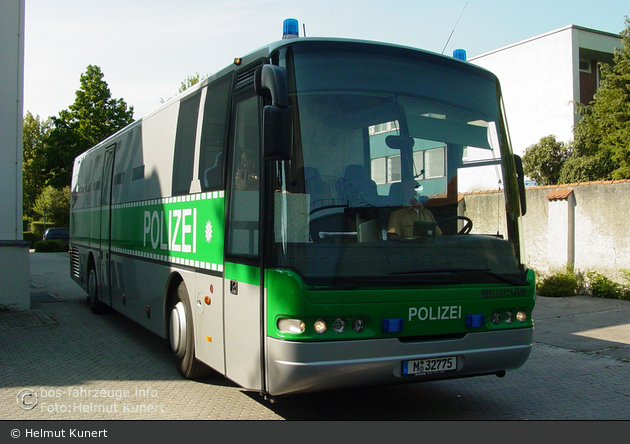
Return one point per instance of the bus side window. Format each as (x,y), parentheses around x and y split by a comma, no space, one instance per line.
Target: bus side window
(213,137)
(185,144)
(244,217)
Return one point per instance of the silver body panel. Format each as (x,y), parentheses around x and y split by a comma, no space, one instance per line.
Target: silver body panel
(294,367)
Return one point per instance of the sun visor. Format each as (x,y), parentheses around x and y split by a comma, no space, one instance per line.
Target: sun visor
(442,130)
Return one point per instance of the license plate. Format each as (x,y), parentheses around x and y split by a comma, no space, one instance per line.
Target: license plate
(427,366)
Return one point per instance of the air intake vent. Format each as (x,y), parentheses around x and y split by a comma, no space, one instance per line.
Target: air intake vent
(75,263)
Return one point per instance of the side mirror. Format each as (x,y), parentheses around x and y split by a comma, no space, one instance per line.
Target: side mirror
(520,176)
(273,80)
(277,132)
(399,142)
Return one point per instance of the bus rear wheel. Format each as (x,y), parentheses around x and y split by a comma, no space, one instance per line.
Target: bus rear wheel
(181,336)
(95,304)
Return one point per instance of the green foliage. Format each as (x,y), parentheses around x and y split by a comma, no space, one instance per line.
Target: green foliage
(544,160)
(602,287)
(586,168)
(601,139)
(37,227)
(187,83)
(190,81)
(92,117)
(31,237)
(35,131)
(53,206)
(565,282)
(604,129)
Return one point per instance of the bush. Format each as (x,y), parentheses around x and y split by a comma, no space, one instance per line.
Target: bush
(562,283)
(50,246)
(26,223)
(602,287)
(31,237)
(37,227)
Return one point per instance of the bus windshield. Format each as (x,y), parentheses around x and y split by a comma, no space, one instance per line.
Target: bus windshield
(387,146)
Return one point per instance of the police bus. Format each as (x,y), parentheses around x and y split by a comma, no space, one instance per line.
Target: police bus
(301,220)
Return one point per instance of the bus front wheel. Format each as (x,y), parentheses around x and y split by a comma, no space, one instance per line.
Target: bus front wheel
(181,336)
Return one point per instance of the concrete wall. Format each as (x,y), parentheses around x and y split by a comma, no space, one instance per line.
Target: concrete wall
(584,224)
(14,262)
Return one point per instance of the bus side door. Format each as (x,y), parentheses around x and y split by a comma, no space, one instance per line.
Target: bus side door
(243,293)
(105,224)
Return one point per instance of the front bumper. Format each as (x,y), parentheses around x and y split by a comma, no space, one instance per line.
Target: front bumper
(295,367)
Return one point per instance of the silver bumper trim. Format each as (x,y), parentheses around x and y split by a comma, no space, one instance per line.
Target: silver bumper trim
(295,367)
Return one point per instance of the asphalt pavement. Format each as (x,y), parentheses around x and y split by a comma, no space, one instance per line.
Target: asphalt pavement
(60,352)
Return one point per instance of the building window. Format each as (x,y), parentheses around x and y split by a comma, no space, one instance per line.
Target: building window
(386,127)
(585,66)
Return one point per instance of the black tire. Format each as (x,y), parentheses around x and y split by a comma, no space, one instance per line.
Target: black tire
(182,336)
(95,304)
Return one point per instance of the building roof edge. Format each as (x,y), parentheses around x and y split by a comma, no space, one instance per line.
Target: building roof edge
(546,34)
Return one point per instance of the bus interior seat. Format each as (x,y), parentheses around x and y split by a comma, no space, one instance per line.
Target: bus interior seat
(366,222)
(358,177)
(396,197)
(369,231)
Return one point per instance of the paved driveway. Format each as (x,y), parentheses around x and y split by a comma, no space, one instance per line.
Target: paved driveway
(62,362)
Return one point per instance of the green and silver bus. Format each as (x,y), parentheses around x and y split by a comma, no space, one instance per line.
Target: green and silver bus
(252,221)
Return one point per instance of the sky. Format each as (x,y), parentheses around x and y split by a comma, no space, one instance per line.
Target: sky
(146,48)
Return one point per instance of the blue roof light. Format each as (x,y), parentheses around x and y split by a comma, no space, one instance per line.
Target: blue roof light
(290,29)
(460,54)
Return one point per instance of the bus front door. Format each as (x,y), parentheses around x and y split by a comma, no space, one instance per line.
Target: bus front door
(243,293)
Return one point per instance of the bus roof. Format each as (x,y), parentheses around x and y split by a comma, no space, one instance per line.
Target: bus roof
(266,51)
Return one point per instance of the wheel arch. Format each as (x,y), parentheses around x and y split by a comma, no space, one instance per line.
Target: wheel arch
(170,293)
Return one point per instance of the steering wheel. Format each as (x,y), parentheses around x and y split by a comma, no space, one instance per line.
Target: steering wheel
(467,228)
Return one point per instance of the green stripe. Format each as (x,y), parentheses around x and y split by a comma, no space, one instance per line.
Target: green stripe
(242,273)
(185,230)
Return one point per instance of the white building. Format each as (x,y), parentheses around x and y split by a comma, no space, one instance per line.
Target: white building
(14,260)
(543,76)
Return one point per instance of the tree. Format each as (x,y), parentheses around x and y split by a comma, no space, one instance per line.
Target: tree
(586,168)
(544,160)
(35,131)
(603,132)
(187,83)
(190,81)
(601,139)
(92,117)
(53,206)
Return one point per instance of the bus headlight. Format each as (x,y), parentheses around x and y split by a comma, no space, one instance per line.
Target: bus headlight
(509,317)
(521,316)
(496,318)
(358,325)
(321,326)
(339,326)
(291,325)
